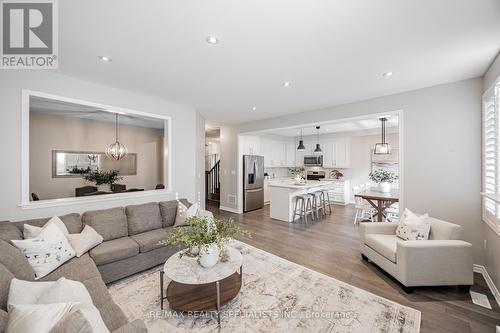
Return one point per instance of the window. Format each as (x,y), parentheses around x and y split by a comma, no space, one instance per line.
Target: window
(491,157)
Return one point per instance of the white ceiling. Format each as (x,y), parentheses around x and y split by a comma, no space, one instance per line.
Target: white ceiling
(332,51)
(64,109)
(362,127)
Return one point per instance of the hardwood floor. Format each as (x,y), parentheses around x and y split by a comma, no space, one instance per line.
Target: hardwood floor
(330,246)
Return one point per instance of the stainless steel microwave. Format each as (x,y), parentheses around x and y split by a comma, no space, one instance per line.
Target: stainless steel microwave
(313,160)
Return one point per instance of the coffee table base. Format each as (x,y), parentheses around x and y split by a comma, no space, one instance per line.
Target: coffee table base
(201,297)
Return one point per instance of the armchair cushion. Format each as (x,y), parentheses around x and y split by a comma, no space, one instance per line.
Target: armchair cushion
(383,228)
(385,245)
(444,230)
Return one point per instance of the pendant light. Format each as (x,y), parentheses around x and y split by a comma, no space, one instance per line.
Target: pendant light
(382,148)
(301,146)
(116,150)
(318,148)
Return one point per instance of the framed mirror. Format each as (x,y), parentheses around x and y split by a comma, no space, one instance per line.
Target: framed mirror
(66,164)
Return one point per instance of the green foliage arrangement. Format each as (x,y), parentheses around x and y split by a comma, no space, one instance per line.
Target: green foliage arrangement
(383,176)
(102,177)
(200,232)
(296,170)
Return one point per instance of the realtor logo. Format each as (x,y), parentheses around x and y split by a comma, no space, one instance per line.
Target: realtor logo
(29,34)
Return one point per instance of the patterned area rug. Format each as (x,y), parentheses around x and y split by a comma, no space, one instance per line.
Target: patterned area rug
(276,296)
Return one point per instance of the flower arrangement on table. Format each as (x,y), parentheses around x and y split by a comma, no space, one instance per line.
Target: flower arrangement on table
(103,179)
(384,179)
(206,238)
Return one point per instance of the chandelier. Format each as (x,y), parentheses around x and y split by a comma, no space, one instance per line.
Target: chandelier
(116,150)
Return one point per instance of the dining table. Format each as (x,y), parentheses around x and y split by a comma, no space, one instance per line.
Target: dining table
(380,200)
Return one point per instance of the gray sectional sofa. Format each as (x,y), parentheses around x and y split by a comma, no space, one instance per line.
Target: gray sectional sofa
(131,244)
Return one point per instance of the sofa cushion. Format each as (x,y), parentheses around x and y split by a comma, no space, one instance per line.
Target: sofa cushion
(150,240)
(385,245)
(5,277)
(72,221)
(109,223)
(15,262)
(168,211)
(78,269)
(143,218)
(114,250)
(443,230)
(9,231)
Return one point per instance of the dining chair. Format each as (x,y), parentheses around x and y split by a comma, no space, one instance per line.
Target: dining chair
(392,213)
(363,209)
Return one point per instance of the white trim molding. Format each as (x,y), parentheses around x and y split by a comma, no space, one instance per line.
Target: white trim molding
(489,281)
(231,210)
(25,203)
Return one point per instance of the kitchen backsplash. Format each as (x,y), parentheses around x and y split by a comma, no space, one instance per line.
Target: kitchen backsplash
(277,172)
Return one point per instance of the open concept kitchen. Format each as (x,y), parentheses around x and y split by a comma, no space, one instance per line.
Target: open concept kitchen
(304,173)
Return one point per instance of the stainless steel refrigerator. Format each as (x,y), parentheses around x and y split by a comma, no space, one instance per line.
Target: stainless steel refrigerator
(253,182)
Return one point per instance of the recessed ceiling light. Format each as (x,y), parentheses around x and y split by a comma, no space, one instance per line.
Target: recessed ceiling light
(212,40)
(387,74)
(286,84)
(104,58)
(254,108)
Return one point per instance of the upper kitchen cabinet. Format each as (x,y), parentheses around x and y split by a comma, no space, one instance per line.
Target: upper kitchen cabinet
(290,153)
(336,153)
(251,145)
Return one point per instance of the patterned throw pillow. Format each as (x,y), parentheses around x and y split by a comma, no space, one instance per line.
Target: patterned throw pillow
(413,227)
(49,250)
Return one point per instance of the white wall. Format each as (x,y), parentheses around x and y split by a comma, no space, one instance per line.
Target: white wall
(229,165)
(492,250)
(442,155)
(185,137)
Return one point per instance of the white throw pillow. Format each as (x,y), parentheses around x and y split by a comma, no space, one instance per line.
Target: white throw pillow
(84,241)
(30,231)
(26,292)
(49,250)
(93,317)
(183,213)
(63,291)
(413,227)
(39,318)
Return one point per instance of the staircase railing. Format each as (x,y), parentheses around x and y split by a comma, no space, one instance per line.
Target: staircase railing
(212,183)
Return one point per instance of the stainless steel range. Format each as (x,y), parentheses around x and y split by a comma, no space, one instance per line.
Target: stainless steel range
(315,175)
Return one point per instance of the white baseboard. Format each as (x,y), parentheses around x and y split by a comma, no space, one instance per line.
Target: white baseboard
(228,209)
(494,290)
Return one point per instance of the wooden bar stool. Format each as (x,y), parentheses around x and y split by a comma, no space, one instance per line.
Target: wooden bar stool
(319,206)
(327,202)
(303,206)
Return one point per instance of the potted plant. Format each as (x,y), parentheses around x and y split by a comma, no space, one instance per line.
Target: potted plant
(205,238)
(384,179)
(297,172)
(103,179)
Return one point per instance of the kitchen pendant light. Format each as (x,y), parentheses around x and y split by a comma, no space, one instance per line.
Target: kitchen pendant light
(318,148)
(301,146)
(116,150)
(382,148)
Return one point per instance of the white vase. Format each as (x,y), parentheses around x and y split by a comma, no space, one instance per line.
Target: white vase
(104,187)
(384,187)
(209,256)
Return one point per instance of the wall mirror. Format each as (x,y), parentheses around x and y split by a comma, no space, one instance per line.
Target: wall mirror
(77,163)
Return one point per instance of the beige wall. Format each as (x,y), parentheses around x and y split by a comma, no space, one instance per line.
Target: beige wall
(49,132)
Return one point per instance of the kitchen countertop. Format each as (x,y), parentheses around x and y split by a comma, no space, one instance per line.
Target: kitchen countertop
(309,184)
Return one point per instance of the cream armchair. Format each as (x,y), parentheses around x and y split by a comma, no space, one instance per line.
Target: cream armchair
(442,260)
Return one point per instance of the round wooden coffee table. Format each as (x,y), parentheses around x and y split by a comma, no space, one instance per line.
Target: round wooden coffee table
(195,288)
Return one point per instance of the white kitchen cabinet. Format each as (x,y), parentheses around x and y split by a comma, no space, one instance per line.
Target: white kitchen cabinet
(290,153)
(267,152)
(251,145)
(328,154)
(339,192)
(279,153)
(341,153)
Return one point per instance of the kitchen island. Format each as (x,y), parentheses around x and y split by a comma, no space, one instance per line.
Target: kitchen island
(282,196)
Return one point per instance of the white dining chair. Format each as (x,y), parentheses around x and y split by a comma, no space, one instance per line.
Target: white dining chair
(363,209)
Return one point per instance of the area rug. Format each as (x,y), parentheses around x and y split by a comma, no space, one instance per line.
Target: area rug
(276,296)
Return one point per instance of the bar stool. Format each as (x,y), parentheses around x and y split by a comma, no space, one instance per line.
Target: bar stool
(328,203)
(319,205)
(303,206)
